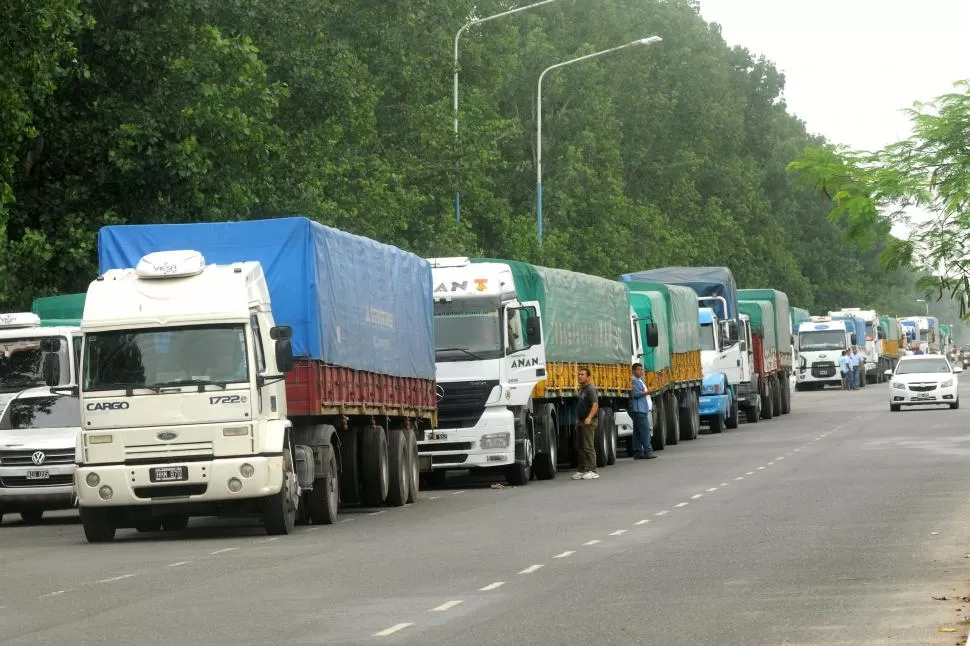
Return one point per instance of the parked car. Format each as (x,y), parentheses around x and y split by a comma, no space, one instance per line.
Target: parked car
(923,379)
(38,434)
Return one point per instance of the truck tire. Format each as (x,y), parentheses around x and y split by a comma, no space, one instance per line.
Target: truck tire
(323,501)
(767,409)
(32,516)
(775,397)
(658,437)
(98,526)
(734,415)
(673,419)
(753,413)
(349,465)
(546,463)
(785,394)
(717,424)
(374,470)
(688,428)
(519,474)
(602,439)
(612,439)
(413,467)
(279,510)
(397,465)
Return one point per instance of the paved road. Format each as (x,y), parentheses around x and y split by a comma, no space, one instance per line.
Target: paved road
(837,524)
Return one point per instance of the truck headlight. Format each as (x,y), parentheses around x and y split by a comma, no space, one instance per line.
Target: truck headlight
(495,441)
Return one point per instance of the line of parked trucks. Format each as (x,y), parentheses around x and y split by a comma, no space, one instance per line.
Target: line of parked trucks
(281,368)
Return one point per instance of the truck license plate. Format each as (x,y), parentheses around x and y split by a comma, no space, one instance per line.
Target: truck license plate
(38,475)
(432,435)
(168,474)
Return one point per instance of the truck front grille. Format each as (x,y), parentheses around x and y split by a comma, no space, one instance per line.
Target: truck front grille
(447,446)
(461,403)
(449,458)
(166,452)
(823,369)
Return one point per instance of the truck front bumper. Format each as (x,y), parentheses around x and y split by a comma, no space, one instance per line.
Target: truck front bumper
(488,444)
(714,405)
(212,481)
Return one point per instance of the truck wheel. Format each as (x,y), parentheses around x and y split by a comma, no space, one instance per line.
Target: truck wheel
(658,436)
(602,439)
(546,464)
(518,474)
(785,395)
(32,516)
(717,423)
(612,439)
(673,419)
(98,527)
(414,468)
(324,500)
(279,510)
(753,413)
(349,466)
(175,523)
(374,476)
(398,474)
(687,414)
(775,397)
(767,410)
(734,415)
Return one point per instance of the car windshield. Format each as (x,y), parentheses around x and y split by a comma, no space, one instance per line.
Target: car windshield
(822,340)
(56,411)
(155,357)
(24,365)
(707,337)
(466,334)
(917,366)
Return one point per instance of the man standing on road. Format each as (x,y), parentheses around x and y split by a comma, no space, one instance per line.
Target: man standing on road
(856,360)
(587,411)
(845,368)
(640,413)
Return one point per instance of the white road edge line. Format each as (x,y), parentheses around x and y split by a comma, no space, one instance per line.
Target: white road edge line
(447,605)
(642,522)
(618,532)
(492,586)
(116,578)
(530,569)
(393,629)
(178,563)
(682,504)
(224,550)
(564,554)
(592,542)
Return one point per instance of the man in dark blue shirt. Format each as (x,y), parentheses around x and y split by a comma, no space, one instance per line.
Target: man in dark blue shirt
(640,414)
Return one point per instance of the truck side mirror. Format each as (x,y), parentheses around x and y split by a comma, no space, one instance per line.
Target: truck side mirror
(284,354)
(533,331)
(50,344)
(281,332)
(653,335)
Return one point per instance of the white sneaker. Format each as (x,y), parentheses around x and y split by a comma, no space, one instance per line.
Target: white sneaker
(579,475)
(590,475)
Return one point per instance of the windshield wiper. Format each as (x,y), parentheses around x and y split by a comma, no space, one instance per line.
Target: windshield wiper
(468,352)
(201,383)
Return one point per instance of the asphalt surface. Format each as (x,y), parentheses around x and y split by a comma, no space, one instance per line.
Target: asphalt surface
(837,524)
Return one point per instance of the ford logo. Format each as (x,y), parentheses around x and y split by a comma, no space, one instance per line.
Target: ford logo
(823,356)
(166,436)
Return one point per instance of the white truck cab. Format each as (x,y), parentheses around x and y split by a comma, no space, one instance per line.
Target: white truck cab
(726,348)
(489,356)
(872,342)
(31,355)
(820,344)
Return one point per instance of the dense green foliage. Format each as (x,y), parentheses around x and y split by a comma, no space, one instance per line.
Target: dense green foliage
(189,110)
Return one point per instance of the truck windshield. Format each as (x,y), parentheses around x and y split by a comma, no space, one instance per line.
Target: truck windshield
(42,412)
(707,337)
(822,340)
(464,335)
(24,365)
(173,356)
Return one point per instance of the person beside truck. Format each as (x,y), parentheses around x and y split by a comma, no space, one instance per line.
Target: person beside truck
(640,413)
(587,411)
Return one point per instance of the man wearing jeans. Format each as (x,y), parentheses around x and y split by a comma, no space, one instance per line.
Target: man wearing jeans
(640,413)
(587,413)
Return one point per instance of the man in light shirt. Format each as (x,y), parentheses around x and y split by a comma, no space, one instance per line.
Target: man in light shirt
(640,406)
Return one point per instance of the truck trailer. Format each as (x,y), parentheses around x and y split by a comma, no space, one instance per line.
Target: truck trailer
(780,310)
(274,368)
(765,365)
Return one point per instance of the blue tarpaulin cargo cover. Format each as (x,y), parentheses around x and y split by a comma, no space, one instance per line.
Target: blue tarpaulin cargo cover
(706,281)
(351,301)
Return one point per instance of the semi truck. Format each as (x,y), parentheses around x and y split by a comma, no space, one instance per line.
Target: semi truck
(927,332)
(867,339)
(726,341)
(779,309)
(821,342)
(510,338)
(269,368)
(891,344)
(672,370)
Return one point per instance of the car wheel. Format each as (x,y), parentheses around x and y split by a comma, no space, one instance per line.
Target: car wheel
(955,405)
(894,408)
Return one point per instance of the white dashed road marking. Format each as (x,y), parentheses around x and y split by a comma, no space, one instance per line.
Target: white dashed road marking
(178,563)
(455,493)
(116,578)
(682,504)
(715,488)
(661,513)
(564,554)
(760,468)
(724,484)
(492,586)
(447,605)
(224,550)
(641,522)
(592,542)
(55,594)
(749,473)
(696,496)
(377,513)
(618,532)
(269,540)
(434,497)
(393,629)
(740,478)
(530,569)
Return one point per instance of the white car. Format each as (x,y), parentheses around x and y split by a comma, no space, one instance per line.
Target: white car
(38,434)
(923,379)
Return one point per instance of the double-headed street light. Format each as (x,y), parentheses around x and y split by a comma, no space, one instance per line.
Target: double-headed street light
(472,23)
(642,41)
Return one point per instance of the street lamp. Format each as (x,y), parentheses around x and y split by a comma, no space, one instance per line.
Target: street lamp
(642,41)
(472,23)
(920,300)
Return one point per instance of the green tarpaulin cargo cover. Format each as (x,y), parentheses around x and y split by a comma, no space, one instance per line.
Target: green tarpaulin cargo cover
(684,327)
(779,302)
(798,316)
(585,319)
(762,316)
(650,307)
(65,306)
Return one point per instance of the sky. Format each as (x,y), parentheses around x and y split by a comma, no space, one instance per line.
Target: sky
(851,66)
